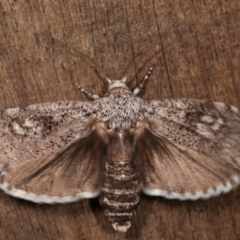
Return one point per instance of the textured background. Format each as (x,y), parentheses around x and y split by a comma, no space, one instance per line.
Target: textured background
(196,47)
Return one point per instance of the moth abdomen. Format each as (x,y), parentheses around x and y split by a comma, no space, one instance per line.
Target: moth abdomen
(120,193)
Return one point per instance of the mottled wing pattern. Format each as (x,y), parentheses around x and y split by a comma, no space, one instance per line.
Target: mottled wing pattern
(191,149)
(46,152)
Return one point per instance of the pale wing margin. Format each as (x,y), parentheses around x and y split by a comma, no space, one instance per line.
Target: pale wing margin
(191,149)
(41,148)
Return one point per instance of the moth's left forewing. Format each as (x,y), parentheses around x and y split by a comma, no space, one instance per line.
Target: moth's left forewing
(37,130)
(51,152)
(189,149)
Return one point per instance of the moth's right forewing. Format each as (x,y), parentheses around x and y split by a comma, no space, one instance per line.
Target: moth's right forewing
(198,124)
(189,149)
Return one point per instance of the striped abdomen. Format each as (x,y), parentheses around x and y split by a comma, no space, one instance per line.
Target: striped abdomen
(120,191)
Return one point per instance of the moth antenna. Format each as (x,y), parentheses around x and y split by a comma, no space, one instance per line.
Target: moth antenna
(141,85)
(95,66)
(87,59)
(108,80)
(90,95)
(127,75)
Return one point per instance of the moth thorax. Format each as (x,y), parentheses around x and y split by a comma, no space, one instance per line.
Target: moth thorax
(120,193)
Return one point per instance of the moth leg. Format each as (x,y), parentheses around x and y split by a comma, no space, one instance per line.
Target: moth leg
(90,95)
(141,85)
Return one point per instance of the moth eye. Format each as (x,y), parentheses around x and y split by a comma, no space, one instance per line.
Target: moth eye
(133,125)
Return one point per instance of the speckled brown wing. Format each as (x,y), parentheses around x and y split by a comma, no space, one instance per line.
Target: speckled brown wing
(47,152)
(191,149)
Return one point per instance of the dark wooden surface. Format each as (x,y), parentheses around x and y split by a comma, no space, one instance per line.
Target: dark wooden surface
(196,47)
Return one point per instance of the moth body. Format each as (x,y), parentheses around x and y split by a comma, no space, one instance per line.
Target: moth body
(121,111)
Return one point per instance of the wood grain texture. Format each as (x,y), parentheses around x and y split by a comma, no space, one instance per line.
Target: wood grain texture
(197,50)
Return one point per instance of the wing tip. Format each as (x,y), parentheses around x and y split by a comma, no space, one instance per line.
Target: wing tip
(211,192)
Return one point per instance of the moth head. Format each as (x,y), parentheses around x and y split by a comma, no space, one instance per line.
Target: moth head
(117,83)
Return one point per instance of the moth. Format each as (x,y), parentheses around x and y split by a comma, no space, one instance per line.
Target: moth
(117,146)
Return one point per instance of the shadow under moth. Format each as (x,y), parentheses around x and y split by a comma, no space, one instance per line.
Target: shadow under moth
(117,146)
